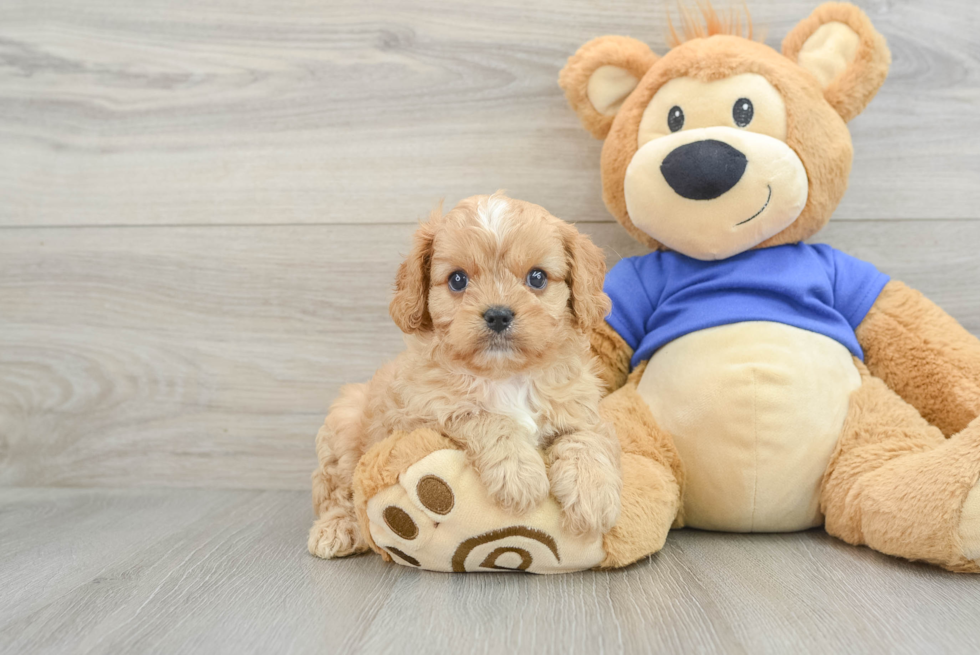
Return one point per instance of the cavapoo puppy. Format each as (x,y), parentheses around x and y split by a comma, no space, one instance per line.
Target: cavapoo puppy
(496,300)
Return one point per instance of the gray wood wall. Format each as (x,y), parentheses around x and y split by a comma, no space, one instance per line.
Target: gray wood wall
(202,204)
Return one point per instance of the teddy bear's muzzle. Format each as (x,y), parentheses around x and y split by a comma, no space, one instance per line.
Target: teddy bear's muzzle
(713,192)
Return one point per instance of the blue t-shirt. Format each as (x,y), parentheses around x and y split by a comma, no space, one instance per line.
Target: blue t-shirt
(659,297)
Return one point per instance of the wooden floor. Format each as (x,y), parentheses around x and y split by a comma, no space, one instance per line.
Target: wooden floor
(216,571)
(202,206)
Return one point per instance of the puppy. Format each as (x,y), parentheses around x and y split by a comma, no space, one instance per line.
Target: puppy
(496,300)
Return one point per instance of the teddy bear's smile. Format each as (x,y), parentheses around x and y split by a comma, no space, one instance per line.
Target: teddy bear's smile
(768,198)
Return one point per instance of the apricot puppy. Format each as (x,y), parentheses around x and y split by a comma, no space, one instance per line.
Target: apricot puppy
(496,300)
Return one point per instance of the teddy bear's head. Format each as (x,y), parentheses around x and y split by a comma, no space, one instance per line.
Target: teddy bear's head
(724,144)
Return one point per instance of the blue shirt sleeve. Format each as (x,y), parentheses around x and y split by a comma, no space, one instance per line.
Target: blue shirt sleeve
(856,284)
(631,306)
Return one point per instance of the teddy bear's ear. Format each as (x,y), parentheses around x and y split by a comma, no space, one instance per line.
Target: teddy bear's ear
(840,47)
(600,76)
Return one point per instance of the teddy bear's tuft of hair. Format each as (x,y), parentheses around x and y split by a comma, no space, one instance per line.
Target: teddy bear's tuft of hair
(705,21)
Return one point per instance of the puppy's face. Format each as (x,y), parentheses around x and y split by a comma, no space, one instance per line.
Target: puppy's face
(497,283)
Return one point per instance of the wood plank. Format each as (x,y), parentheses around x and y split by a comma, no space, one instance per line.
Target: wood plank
(208,356)
(226,571)
(249,112)
(84,528)
(214,572)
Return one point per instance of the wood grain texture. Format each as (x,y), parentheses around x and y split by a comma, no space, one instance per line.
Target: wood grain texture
(254,112)
(154,571)
(208,356)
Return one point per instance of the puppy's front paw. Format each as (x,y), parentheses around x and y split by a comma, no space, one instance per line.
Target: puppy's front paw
(335,534)
(589,489)
(517,482)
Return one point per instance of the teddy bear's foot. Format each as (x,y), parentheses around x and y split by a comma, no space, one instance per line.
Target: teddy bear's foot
(439,516)
(969,529)
(335,534)
(899,486)
(969,526)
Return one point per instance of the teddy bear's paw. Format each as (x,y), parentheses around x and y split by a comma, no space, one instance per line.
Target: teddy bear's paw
(969,528)
(335,534)
(441,517)
(589,490)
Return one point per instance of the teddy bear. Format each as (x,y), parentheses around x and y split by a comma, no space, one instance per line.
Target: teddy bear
(756,382)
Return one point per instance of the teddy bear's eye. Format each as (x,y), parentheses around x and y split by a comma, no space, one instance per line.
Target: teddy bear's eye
(458,280)
(742,112)
(675,118)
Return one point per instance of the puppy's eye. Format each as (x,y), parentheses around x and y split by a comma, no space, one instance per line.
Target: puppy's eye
(537,279)
(742,112)
(675,118)
(458,280)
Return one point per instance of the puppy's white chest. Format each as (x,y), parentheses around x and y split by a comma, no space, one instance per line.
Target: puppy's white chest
(514,397)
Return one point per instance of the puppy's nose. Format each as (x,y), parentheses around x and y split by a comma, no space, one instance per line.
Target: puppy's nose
(703,170)
(498,318)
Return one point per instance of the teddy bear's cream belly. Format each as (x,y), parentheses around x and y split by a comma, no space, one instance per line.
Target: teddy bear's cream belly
(755,409)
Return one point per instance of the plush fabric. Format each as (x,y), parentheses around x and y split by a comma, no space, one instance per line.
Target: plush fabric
(856,84)
(735,387)
(816,133)
(612,356)
(758,178)
(896,484)
(924,355)
(738,401)
(816,116)
(608,87)
(829,51)
(710,104)
(438,516)
(424,506)
(969,532)
(663,296)
(632,57)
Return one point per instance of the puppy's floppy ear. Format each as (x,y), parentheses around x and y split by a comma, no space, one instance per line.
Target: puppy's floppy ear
(600,76)
(840,47)
(586,274)
(410,306)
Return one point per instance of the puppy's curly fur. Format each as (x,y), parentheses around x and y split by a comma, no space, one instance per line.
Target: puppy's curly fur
(502,395)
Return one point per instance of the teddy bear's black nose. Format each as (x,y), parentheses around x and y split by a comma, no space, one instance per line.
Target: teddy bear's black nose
(703,170)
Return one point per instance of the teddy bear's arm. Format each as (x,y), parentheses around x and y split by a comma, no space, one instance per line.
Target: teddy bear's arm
(924,355)
(613,356)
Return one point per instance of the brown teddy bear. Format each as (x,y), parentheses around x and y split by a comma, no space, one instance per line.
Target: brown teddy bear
(757,383)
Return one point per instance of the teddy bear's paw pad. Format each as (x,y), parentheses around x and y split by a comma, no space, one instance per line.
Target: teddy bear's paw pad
(398,525)
(440,517)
